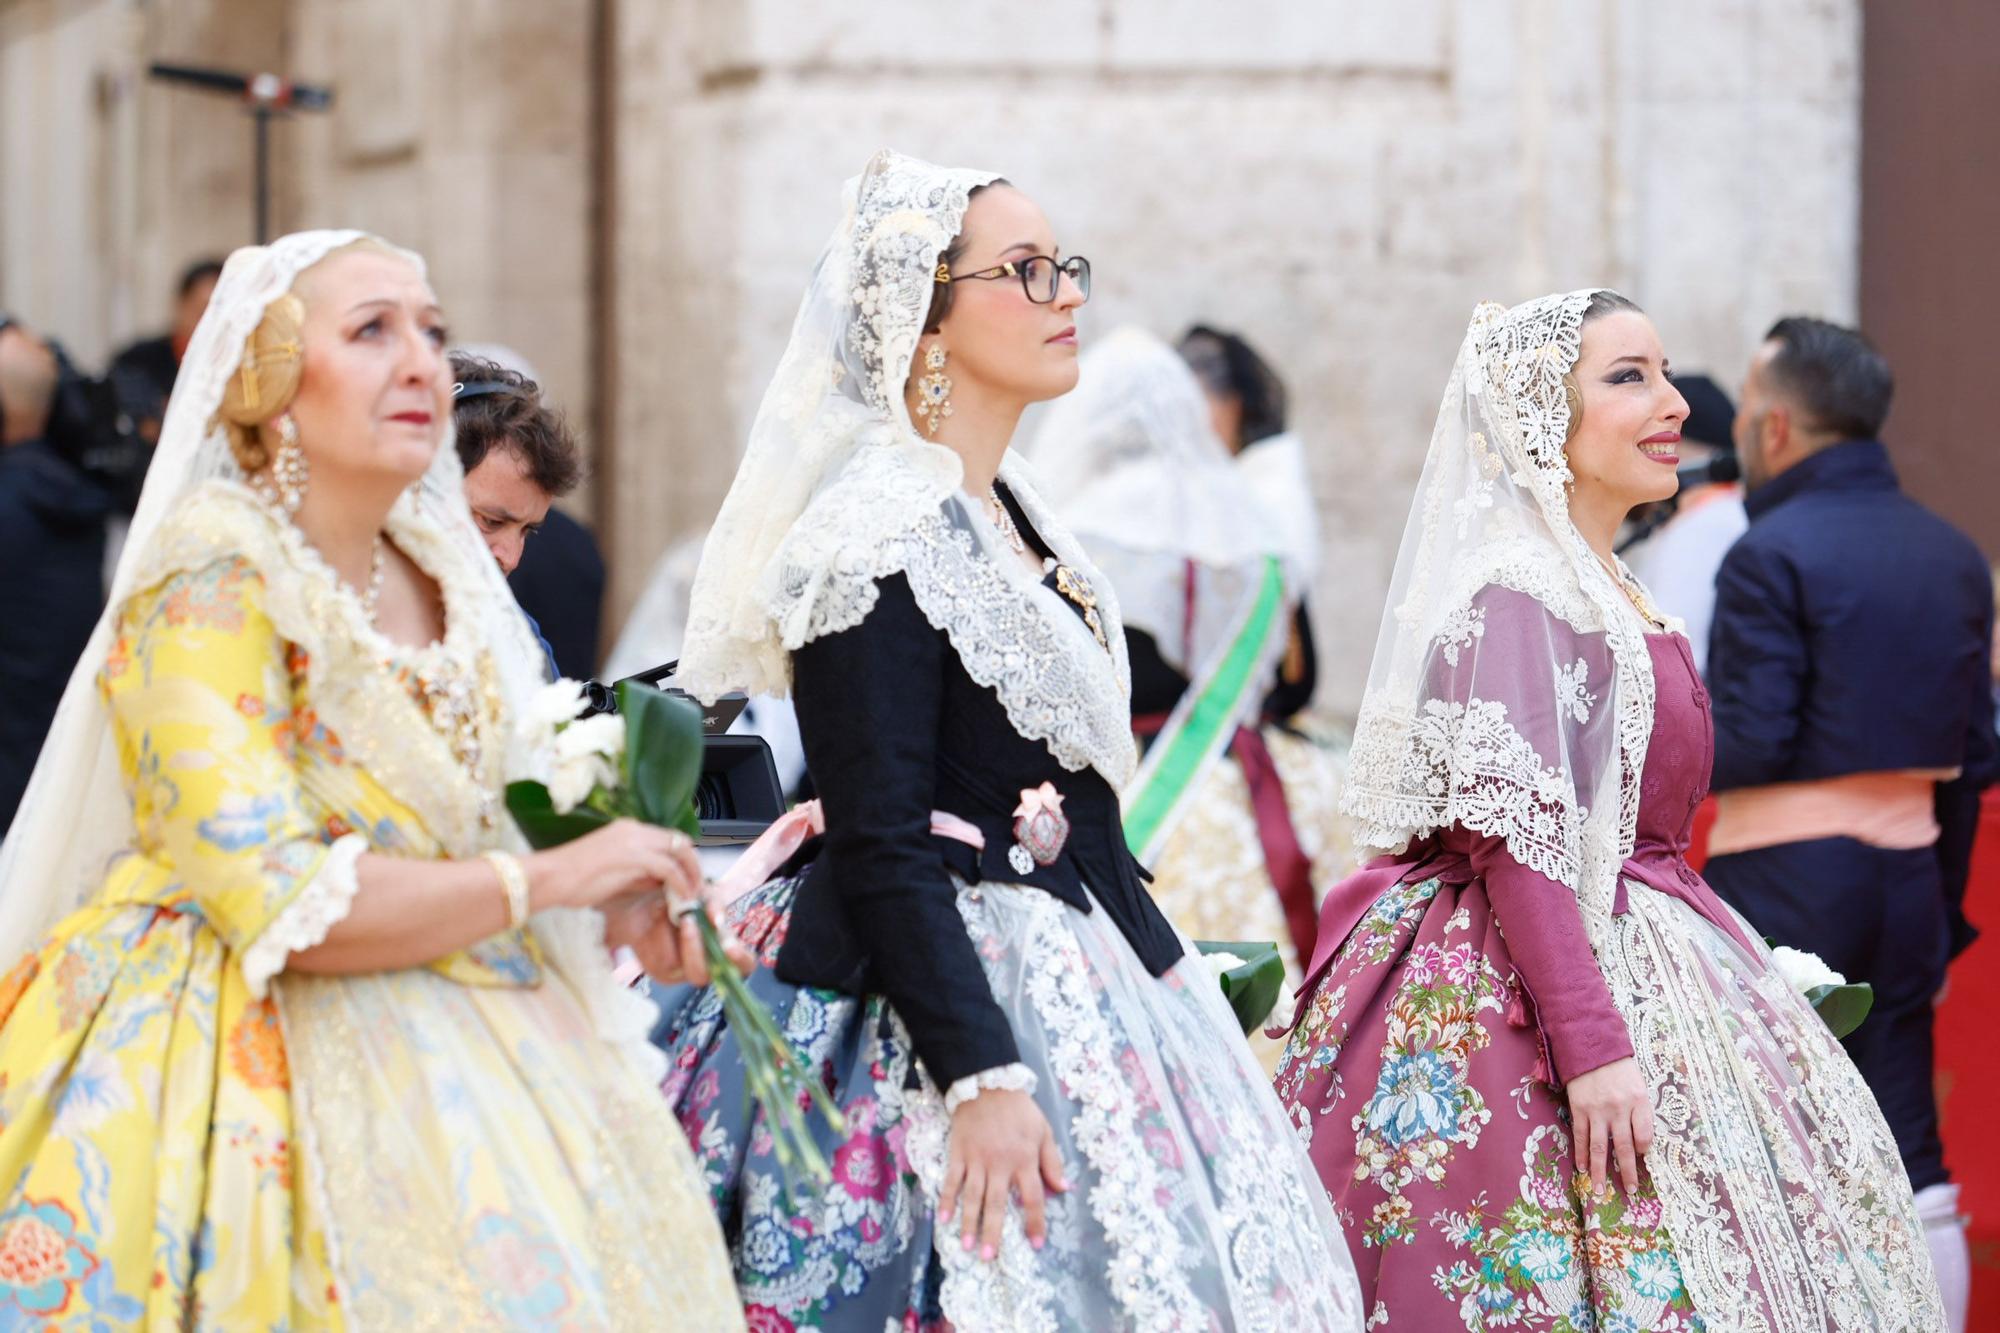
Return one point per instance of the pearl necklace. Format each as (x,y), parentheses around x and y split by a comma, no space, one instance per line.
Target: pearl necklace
(378,566)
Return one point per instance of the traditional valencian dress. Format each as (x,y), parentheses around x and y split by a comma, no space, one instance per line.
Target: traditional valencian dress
(971,918)
(192,1135)
(1234,807)
(1529,757)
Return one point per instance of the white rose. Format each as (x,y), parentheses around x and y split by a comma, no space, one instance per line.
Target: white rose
(547,708)
(1220,963)
(572,780)
(601,734)
(1804,971)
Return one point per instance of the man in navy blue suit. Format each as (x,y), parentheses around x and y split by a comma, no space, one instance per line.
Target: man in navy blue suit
(1850,665)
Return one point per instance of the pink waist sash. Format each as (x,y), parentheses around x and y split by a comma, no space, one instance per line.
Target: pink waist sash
(778,843)
(1894,811)
(1348,901)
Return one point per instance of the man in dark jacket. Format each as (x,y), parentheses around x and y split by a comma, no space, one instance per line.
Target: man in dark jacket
(1849,662)
(51,561)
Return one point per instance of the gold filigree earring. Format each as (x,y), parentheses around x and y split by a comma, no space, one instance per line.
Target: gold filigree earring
(288,472)
(934,390)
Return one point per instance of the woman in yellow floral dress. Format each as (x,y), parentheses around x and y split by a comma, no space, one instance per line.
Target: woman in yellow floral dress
(300,1036)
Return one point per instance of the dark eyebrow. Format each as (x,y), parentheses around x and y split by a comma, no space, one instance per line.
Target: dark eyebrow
(1029,246)
(500,515)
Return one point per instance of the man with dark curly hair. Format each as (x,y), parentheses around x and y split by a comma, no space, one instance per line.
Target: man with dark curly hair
(520,457)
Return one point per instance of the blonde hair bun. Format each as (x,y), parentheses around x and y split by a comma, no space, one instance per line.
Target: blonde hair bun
(265,382)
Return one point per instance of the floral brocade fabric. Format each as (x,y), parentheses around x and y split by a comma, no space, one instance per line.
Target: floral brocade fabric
(1418,1081)
(1773,1199)
(193,1136)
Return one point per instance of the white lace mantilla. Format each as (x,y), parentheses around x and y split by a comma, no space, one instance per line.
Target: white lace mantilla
(1534,730)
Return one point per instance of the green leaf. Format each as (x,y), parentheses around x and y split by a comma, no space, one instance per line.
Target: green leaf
(663,746)
(1252,989)
(535,812)
(1842,1008)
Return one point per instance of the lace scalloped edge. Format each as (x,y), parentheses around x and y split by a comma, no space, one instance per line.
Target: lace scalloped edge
(316,909)
(1016,1077)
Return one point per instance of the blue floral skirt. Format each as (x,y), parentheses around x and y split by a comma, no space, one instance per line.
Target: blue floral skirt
(857,1254)
(1191,1203)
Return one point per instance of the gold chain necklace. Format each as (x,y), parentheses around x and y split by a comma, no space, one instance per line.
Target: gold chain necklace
(1633,594)
(1004,520)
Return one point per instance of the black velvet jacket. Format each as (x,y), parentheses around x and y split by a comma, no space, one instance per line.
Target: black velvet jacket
(895,728)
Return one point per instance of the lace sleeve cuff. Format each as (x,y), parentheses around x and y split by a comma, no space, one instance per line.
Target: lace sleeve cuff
(316,909)
(1002,1078)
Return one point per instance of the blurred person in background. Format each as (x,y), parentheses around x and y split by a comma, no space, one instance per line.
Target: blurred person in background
(519,458)
(145,371)
(52,518)
(1677,560)
(1850,666)
(558,577)
(1235,815)
(652,637)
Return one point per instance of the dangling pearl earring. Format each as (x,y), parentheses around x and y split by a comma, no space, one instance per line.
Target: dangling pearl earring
(934,390)
(288,466)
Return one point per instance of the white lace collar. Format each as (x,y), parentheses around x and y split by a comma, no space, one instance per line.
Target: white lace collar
(1013,634)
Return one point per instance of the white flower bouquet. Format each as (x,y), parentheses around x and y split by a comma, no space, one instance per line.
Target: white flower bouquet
(643,763)
(1841,1004)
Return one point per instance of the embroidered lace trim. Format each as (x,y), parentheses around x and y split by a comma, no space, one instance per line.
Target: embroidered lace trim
(1779,1180)
(1013,635)
(379,725)
(1008,1292)
(313,911)
(1001,1078)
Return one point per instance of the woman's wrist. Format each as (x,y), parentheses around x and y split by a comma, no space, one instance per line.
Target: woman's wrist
(542,880)
(1001,1078)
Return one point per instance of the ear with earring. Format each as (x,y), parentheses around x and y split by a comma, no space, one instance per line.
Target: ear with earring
(934,390)
(288,473)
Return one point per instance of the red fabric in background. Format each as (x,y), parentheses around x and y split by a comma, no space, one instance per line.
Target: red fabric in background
(1968,1078)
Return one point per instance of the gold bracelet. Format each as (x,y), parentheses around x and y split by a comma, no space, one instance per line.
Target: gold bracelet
(514,883)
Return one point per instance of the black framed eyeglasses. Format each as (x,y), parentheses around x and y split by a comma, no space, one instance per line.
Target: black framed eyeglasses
(1041,276)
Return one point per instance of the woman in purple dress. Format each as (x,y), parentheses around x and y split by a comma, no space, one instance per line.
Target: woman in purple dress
(1551,1081)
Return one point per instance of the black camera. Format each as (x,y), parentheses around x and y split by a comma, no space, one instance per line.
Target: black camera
(738,795)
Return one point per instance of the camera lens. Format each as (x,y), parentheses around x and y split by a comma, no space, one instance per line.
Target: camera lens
(712,799)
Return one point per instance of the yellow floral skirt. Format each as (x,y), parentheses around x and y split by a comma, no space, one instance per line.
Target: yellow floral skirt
(392,1150)
(146,1137)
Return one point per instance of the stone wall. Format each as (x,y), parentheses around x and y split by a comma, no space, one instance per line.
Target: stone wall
(631,192)
(1342,189)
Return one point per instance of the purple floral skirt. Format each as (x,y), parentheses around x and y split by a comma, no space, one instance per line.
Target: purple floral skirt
(1417,1078)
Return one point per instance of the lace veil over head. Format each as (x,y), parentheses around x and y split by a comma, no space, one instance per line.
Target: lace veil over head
(838,387)
(1511,690)
(837,489)
(76,816)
